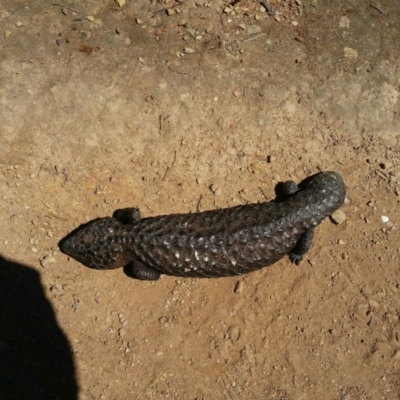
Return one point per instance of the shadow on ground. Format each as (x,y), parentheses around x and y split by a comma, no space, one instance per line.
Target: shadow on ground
(36,360)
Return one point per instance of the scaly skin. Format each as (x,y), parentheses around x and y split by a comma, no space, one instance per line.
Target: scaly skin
(215,243)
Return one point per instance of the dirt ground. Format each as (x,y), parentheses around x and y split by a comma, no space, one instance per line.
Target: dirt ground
(195,104)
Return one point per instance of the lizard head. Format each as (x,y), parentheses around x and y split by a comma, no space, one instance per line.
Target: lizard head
(98,244)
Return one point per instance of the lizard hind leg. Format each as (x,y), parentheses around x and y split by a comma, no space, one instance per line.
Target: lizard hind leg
(302,246)
(284,190)
(289,188)
(143,272)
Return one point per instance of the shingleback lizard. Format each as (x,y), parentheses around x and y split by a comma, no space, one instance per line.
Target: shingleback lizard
(226,242)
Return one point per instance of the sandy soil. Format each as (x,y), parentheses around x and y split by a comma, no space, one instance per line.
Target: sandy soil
(169,106)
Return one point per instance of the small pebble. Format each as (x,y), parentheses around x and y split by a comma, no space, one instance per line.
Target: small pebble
(7,34)
(123,320)
(338,217)
(18,24)
(271,159)
(236,93)
(396,354)
(239,287)
(390,224)
(371,320)
(384,219)
(216,190)
(46,261)
(188,50)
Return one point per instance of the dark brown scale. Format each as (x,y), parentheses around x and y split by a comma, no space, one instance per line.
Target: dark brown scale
(214,243)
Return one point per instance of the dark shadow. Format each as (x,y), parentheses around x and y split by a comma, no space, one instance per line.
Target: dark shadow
(36,360)
(128,271)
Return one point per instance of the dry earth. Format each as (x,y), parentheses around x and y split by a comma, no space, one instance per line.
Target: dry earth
(177,106)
